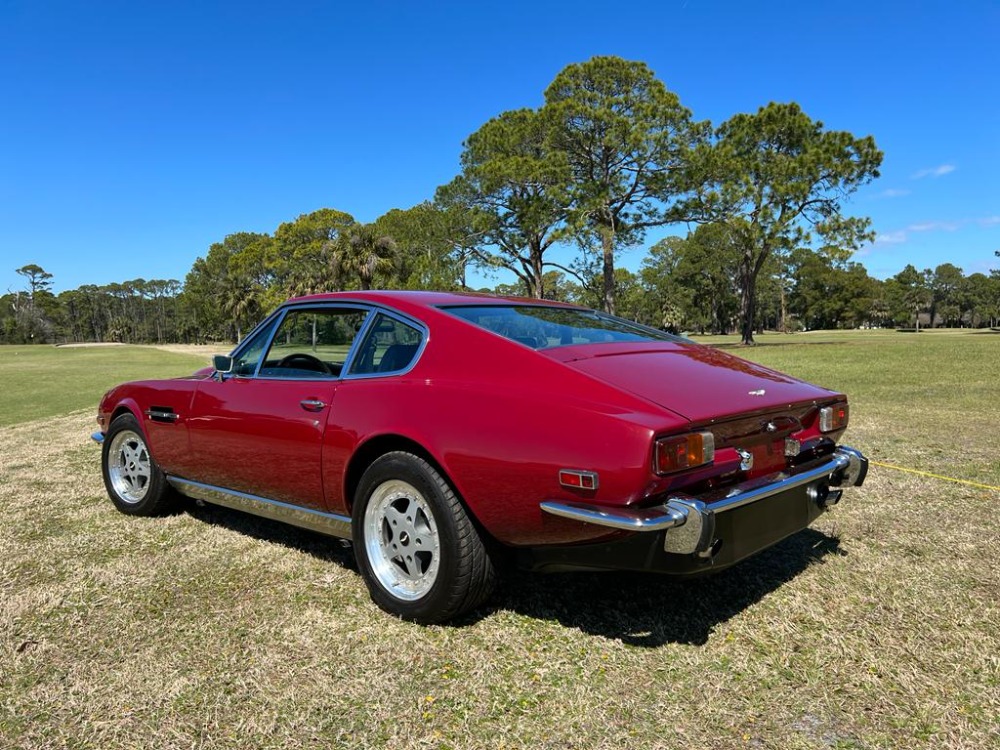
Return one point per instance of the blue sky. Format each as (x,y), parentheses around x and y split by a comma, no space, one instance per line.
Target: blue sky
(133,135)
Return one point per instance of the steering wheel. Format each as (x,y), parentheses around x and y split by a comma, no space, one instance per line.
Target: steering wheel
(309,361)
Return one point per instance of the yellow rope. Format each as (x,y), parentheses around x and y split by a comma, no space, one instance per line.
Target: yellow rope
(936,476)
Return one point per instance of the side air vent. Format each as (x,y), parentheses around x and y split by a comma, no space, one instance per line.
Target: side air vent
(162,414)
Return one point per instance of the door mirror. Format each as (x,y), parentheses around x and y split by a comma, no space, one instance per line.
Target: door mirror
(223,364)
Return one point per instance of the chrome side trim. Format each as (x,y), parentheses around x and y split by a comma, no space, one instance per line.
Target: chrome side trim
(306,518)
(657,518)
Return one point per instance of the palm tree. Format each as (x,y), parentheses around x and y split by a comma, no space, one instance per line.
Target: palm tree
(363,252)
(241,303)
(307,278)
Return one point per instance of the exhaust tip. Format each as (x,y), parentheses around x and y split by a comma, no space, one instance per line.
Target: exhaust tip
(709,554)
(821,494)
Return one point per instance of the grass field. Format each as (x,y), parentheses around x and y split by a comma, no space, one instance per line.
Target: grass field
(45,381)
(877,628)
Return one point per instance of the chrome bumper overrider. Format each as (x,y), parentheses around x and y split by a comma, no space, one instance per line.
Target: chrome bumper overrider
(691,520)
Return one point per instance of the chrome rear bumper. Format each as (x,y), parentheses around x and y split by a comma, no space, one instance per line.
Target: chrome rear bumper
(690,521)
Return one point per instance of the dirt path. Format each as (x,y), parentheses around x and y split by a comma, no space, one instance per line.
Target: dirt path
(198,349)
(207,349)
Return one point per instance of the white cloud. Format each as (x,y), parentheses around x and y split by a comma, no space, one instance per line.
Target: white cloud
(890,238)
(989,221)
(934,171)
(894,193)
(932,226)
(899,236)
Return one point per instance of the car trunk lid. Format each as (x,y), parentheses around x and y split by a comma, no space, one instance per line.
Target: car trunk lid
(700,383)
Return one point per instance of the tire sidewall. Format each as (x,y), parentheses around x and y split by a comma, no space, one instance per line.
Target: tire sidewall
(414,470)
(153,503)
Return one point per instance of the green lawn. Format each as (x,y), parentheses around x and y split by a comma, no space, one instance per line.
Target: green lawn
(43,381)
(930,401)
(877,628)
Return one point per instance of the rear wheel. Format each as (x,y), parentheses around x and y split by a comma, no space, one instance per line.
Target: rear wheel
(135,483)
(419,552)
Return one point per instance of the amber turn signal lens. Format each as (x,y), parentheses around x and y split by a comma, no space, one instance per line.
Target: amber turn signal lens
(684,452)
(833,417)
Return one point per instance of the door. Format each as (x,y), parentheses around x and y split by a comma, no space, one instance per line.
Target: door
(260,431)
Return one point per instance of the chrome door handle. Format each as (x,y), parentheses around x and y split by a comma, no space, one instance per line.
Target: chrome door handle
(312,404)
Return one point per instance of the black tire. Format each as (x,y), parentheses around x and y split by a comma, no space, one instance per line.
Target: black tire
(134,481)
(432,566)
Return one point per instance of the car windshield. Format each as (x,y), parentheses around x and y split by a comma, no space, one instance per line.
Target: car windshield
(544,327)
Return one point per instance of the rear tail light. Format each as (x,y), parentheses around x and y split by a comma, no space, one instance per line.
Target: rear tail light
(833,417)
(682,452)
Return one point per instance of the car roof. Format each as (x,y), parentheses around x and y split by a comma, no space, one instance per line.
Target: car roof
(427,299)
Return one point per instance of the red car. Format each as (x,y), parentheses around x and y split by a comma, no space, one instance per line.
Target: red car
(449,434)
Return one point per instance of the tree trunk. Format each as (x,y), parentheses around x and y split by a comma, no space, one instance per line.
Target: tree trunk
(748,297)
(608,248)
(749,271)
(783,326)
(536,271)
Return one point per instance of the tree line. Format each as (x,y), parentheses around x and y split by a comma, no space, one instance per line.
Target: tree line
(684,284)
(610,154)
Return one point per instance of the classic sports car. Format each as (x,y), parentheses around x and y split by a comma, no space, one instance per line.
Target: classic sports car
(447,434)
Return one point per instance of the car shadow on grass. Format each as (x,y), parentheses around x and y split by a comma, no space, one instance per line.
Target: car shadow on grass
(644,609)
(640,609)
(320,546)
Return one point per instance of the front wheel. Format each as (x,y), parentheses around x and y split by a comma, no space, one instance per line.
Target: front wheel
(135,483)
(417,549)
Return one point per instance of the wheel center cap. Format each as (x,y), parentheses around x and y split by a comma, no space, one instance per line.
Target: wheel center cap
(404,538)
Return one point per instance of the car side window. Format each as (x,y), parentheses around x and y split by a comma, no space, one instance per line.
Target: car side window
(245,365)
(313,343)
(390,346)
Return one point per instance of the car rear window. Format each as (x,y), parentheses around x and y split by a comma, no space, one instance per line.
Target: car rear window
(390,346)
(544,327)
